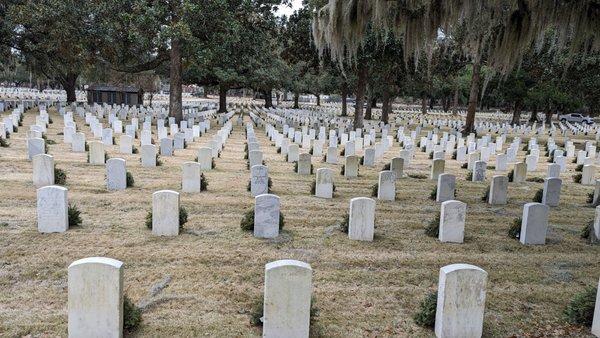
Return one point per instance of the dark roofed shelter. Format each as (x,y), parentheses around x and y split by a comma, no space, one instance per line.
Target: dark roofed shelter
(130,96)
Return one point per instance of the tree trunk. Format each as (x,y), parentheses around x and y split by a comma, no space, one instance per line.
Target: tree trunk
(455,103)
(431,102)
(296,99)
(385,107)
(548,114)
(344,98)
(516,118)
(533,118)
(268,98)
(423,104)
(69,84)
(318,99)
(222,98)
(361,85)
(175,82)
(369,109)
(473,97)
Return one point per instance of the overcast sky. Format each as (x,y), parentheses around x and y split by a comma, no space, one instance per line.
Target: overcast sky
(287,11)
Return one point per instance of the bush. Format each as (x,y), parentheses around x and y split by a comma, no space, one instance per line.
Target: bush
(511,175)
(132,315)
(418,176)
(106,157)
(469,176)
(343,168)
(345,223)
(203,182)
(433,228)
(590,198)
(134,150)
(343,152)
(269,184)
(433,194)
(256,314)
(515,228)
(539,195)
(586,232)
(577,178)
(247,223)
(454,155)
(580,310)
(158,161)
(60,176)
(183,218)
(535,179)
(3,143)
(431,156)
(579,168)
(74,216)
(129,180)
(387,166)
(486,195)
(212,163)
(465,165)
(279,150)
(426,315)
(374,189)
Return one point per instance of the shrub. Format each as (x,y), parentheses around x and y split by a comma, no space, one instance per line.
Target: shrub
(343,152)
(374,189)
(132,315)
(577,178)
(465,165)
(362,160)
(539,195)
(486,195)
(579,168)
(74,216)
(106,157)
(433,194)
(454,155)
(515,228)
(387,166)
(60,176)
(469,176)
(431,156)
(511,175)
(3,142)
(295,166)
(212,163)
(203,182)
(15,129)
(286,157)
(183,218)
(247,223)
(313,187)
(342,169)
(427,308)
(279,150)
(581,308)
(158,161)
(134,150)
(536,179)
(590,198)
(418,176)
(345,223)
(86,146)
(433,228)
(129,181)
(586,232)
(574,160)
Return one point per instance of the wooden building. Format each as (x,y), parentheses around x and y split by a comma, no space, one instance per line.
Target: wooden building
(100,94)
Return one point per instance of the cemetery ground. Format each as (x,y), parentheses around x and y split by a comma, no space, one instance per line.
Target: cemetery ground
(208,280)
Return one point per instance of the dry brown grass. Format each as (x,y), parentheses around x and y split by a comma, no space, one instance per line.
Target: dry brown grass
(362,289)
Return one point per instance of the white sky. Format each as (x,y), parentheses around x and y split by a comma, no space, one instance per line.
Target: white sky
(286,10)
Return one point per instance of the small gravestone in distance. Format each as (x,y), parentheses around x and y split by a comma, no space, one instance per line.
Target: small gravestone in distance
(259,180)
(190,177)
(97,153)
(125,144)
(331,156)
(205,158)
(553,170)
(437,168)
(324,183)
(361,222)
(520,172)
(35,146)
(551,195)
(452,221)
(460,301)
(498,194)
(116,174)
(165,213)
(479,171)
(266,216)
(148,155)
(95,300)
(351,166)
(534,224)
(255,157)
(293,153)
(588,175)
(287,298)
(166,147)
(78,143)
(446,187)
(52,209)
(304,164)
(386,190)
(397,166)
(43,170)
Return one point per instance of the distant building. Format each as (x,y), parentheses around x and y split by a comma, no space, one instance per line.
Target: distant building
(100,94)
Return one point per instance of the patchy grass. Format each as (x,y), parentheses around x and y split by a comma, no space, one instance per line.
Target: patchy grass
(132,315)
